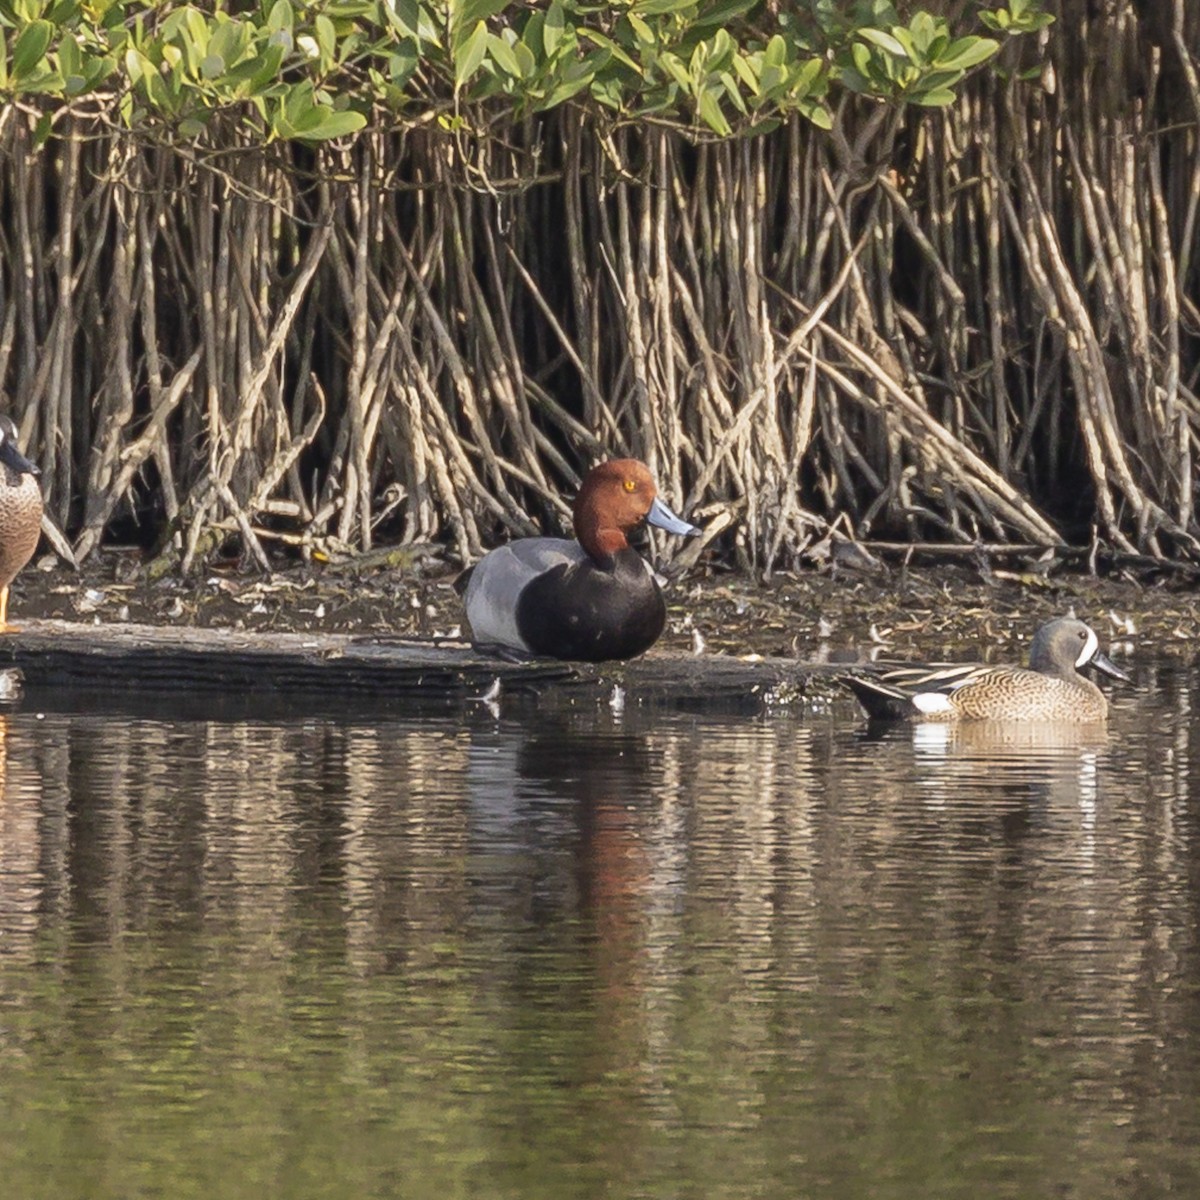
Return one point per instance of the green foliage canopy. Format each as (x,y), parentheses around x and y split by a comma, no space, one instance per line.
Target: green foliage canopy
(290,69)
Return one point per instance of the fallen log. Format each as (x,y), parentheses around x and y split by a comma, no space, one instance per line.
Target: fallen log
(138,665)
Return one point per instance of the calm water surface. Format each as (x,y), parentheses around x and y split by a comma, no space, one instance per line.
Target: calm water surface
(560,954)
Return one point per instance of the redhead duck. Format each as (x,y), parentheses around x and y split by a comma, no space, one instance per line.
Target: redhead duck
(1051,689)
(20,512)
(589,600)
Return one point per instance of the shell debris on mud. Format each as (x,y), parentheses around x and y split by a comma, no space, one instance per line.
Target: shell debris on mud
(937,612)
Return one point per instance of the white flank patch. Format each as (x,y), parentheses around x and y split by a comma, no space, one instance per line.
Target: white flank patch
(932,703)
(1089,649)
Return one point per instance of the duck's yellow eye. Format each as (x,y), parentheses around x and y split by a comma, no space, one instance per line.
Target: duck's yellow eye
(630,485)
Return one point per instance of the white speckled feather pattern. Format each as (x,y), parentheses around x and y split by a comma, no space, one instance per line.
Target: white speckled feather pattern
(20,521)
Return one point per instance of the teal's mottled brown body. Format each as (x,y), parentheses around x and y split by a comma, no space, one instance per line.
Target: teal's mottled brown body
(20,512)
(1050,689)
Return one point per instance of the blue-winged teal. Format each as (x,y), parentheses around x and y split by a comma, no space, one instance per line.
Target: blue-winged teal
(20,512)
(1051,689)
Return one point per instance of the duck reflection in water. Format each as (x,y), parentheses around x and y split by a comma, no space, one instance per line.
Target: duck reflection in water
(21,876)
(567,817)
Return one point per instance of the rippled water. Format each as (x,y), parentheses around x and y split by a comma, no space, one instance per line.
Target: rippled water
(560,954)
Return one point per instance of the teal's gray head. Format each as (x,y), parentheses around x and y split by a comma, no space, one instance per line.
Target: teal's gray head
(1066,645)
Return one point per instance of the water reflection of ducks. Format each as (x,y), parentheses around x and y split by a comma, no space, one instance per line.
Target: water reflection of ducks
(563,820)
(1052,764)
(20,857)
(604,779)
(1010,739)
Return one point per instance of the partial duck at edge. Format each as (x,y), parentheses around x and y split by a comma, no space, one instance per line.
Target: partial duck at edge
(20,512)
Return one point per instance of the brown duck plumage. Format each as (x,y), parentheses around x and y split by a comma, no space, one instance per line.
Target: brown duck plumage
(1050,689)
(20,512)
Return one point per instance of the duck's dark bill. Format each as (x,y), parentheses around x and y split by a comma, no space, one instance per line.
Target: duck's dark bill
(663,518)
(1103,663)
(10,456)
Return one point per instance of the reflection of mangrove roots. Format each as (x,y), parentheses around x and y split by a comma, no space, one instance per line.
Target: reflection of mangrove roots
(963,325)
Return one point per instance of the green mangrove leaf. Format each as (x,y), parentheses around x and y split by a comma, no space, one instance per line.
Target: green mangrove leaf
(525,60)
(333,125)
(30,49)
(772,80)
(613,48)
(43,81)
(642,31)
(676,69)
(776,52)
(923,29)
(401,66)
(229,40)
(609,92)
(657,8)
(936,80)
(745,69)
(413,20)
(470,54)
(261,70)
(910,47)
(807,77)
(404,16)
(62,12)
(553,27)
(934,98)
(862,59)
(198,30)
(884,40)
(877,12)
(99,69)
(501,53)
(298,103)
(721,50)
(966,52)
(734,92)
(281,16)
(326,40)
(572,83)
(818,114)
(70,57)
(709,106)
(723,12)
